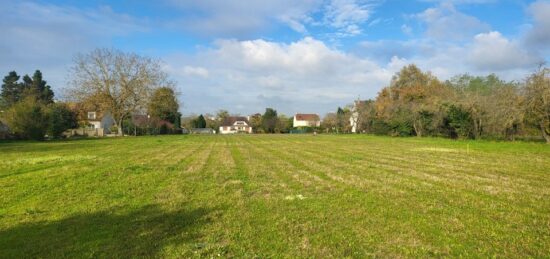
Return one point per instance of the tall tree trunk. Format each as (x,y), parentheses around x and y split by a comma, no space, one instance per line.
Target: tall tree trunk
(417,129)
(544,133)
(119,127)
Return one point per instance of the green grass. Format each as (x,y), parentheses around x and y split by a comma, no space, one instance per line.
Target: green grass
(274,196)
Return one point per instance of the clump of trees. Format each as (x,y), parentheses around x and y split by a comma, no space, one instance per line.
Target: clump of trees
(269,122)
(416,103)
(28,108)
(123,84)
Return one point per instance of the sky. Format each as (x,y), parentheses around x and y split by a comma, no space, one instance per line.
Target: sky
(297,56)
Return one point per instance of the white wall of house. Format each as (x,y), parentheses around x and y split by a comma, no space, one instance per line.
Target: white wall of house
(353,121)
(105,123)
(238,126)
(301,123)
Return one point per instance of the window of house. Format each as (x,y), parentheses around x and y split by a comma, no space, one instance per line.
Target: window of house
(91,115)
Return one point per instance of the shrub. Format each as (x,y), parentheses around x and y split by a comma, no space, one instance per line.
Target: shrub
(28,119)
(60,119)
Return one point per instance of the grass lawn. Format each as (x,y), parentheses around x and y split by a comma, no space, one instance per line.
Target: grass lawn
(274,196)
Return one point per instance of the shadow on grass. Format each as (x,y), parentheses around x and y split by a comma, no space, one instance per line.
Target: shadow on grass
(141,233)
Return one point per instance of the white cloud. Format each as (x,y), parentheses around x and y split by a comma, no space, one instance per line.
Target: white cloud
(195,71)
(491,51)
(245,18)
(444,22)
(539,35)
(241,18)
(306,75)
(346,15)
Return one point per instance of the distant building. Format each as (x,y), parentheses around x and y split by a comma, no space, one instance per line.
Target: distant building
(202,131)
(100,121)
(235,124)
(354,117)
(306,120)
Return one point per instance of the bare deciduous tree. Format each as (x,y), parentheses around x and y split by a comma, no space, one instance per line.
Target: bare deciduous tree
(116,82)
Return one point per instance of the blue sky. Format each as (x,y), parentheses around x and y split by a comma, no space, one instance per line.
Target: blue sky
(293,55)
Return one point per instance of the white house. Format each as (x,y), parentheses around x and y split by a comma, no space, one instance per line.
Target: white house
(354,118)
(100,121)
(235,124)
(306,120)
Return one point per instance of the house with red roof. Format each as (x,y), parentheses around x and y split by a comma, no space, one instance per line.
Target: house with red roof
(235,124)
(306,120)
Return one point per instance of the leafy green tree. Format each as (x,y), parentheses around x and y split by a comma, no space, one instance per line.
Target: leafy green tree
(164,104)
(329,123)
(269,120)
(459,121)
(340,120)
(28,119)
(221,115)
(284,124)
(37,87)
(199,122)
(177,122)
(11,89)
(256,123)
(537,101)
(60,119)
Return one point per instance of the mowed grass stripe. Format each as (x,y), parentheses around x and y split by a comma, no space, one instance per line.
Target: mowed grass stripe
(405,175)
(275,196)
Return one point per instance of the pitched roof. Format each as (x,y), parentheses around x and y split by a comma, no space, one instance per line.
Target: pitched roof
(229,121)
(307,117)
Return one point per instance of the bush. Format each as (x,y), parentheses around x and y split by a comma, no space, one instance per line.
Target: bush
(163,129)
(28,119)
(60,119)
(459,121)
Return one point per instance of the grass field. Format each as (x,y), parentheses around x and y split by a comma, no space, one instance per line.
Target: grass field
(274,196)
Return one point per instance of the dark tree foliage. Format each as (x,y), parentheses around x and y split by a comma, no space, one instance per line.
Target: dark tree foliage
(14,91)
(11,89)
(269,120)
(177,121)
(459,122)
(340,119)
(60,119)
(199,122)
(38,88)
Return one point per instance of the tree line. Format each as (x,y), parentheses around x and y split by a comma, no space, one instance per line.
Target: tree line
(105,80)
(416,103)
(29,110)
(268,122)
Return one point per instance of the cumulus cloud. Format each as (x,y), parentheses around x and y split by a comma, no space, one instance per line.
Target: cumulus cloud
(491,51)
(307,74)
(346,15)
(445,22)
(195,71)
(240,18)
(539,35)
